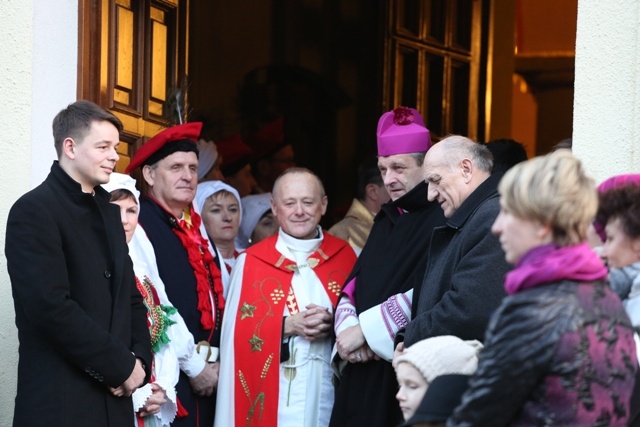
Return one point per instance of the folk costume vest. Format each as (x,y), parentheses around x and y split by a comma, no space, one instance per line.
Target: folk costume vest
(266,289)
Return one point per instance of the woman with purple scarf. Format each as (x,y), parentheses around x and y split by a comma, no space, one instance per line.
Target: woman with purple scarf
(559,351)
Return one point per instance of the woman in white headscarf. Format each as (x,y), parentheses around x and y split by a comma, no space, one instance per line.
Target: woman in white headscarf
(219,206)
(208,161)
(257,221)
(156,403)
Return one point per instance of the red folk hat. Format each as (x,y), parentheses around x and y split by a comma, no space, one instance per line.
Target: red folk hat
(235,154)
(402,131)
(187,131)
(267,140)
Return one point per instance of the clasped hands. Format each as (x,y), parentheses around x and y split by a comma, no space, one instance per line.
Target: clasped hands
(353,347)
(314,323)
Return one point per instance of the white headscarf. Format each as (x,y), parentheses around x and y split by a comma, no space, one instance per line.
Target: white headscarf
(207,155)
(209,188)
(120,181)
(253,206)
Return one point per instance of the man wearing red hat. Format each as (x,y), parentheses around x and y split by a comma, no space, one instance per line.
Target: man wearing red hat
(188,264)
(392,262)
(276,339)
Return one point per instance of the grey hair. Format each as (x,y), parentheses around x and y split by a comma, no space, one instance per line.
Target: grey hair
(458,147)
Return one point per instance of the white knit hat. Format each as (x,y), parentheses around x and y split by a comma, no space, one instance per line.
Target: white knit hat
(441,355)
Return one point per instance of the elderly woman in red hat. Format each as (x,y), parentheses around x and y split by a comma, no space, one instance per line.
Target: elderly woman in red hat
(618,221)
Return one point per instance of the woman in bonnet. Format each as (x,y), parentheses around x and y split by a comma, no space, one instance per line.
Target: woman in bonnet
(219,206)
(156,403)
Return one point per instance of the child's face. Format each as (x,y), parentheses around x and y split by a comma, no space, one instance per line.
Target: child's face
(412,387)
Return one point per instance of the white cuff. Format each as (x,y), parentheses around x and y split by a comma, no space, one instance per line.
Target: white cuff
(194,365)
(375,332)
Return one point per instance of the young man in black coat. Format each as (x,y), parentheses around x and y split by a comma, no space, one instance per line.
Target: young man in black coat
(82,326)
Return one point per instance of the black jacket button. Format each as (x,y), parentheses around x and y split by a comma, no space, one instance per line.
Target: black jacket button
(107,274)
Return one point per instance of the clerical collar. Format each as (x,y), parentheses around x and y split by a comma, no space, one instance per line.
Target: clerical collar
(304,245)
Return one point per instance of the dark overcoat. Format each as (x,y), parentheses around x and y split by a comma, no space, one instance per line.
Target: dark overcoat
(392,262)
(464,280)
(79,315)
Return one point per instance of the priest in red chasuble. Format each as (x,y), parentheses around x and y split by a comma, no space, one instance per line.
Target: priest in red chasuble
(275,344)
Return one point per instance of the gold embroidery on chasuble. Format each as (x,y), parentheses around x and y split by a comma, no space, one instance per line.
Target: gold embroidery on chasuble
(334,287)
(270,292)
(251,316)
(246,310)
(266,288)
(290,372)
(256,403)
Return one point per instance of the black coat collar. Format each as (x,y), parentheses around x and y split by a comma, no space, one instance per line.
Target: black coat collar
(486,190)
(70,185)
(415,199)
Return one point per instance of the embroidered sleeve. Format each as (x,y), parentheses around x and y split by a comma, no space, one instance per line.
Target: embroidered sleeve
(381,323)
(345,316)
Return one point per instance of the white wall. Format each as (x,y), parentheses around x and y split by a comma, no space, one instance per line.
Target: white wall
(38,51)
(606,116)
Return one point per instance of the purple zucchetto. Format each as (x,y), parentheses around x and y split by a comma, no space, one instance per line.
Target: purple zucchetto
(402,131)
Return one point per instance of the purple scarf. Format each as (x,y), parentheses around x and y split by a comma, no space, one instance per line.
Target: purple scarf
(548,263)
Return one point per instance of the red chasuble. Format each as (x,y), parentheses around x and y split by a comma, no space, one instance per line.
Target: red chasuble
(266,287)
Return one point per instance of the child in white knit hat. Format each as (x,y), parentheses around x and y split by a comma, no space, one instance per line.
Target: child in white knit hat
(417,366)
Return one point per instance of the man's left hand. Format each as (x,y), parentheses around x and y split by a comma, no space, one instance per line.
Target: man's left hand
(362,354)
(349,340)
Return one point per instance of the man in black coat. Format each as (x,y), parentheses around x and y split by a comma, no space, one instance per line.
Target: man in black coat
(82,326)
(464,278)
(391,263)
(189,269)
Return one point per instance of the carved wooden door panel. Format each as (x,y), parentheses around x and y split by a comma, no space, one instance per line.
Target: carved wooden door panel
(132,53)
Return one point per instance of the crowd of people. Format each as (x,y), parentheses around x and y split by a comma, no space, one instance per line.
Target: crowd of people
(466,285)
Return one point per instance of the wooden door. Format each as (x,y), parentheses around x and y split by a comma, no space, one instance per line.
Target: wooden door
(132,54)
(432,62)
